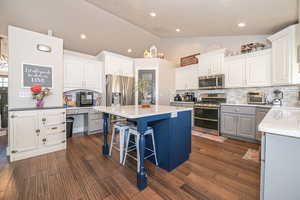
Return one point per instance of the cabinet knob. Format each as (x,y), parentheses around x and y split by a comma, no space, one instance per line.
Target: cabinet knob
(44,119)
(44,140)
(63,131)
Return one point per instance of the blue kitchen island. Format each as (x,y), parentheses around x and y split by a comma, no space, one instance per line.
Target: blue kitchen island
(172,132)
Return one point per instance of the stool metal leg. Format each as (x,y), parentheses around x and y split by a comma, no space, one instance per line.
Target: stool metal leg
(112,141)
(154,149)
(121,140)
(126,147)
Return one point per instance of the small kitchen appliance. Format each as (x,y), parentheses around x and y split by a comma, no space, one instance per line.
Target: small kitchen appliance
(277,97)
(207,109)
(256,98)
(178,97)
(84,99)
(189,97)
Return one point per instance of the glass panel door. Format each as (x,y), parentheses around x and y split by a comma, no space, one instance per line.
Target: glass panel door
(149,77)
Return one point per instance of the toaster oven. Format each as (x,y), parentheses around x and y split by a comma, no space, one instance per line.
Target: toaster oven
(256,98)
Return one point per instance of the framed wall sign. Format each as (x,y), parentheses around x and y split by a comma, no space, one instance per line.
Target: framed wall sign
(37,75)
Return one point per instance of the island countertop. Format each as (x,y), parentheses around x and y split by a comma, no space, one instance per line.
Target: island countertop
(136,111)
(283,121)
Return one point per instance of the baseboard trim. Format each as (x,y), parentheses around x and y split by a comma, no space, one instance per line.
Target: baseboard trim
(37,152)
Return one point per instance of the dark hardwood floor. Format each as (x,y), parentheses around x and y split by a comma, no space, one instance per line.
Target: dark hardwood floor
(214,171)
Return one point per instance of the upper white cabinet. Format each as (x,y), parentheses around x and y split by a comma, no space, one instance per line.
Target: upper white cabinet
(82,73)
(211,63)
(258,68)
(116,64)
(235,72)
(187,77)
(249,70)
(285,69)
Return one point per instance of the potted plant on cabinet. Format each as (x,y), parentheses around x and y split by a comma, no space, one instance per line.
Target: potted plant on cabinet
(144,88)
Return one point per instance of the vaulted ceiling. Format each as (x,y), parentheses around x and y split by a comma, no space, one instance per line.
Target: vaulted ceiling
(204,17)
(118,25)
(68,19)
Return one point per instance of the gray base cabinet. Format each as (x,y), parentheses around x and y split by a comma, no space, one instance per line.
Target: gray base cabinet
(280,168)
(238,122)
(246,126)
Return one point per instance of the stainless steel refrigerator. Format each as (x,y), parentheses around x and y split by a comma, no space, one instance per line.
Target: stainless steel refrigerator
(119,90)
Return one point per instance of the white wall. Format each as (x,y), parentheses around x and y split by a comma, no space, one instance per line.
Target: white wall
(175,48)
(23,49)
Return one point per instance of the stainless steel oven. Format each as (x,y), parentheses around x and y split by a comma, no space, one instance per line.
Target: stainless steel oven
(206,117)
(206,111)
(212,82)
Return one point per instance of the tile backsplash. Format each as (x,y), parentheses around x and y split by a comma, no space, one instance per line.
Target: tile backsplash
(239,95)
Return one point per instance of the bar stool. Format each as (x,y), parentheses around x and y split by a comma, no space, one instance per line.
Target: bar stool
(123,128)
(133,131)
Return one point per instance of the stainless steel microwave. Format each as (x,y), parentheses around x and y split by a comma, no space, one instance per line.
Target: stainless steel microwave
(212,82)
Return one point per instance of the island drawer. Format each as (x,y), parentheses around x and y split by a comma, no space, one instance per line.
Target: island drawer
(239,109)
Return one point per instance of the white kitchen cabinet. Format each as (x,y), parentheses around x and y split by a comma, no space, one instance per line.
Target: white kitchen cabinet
(36,132)
(248,70)
(187,77)
(235,75)
(258,68)
(73,73)
(82,73)
(93,75)
(116,64)
(285,67)
(23,130)
(211,63)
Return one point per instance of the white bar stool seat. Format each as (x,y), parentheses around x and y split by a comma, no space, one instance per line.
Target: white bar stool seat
(133,131)
(123,128)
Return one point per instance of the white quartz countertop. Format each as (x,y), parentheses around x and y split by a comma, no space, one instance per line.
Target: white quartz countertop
(136,111)
(283,121)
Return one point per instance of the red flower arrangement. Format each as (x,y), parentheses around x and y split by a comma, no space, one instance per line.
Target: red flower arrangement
(38,93)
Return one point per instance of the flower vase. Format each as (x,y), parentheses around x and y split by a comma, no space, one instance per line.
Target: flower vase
(39,103)
(145,104)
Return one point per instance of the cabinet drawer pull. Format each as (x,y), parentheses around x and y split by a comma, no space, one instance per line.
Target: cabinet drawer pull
(64,141)
(14,151)
(63,131)
(37,130)
(54,128)
(63,122)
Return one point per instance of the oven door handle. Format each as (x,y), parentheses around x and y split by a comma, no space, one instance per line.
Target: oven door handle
(207,108)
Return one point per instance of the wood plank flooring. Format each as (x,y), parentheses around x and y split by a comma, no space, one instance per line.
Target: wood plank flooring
(214,171)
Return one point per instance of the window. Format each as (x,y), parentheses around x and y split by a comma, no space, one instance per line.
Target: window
(3,81)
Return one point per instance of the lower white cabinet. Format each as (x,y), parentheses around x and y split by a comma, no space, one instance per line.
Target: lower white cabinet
(36,132)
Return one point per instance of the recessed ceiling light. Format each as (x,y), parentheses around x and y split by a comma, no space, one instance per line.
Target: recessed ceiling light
(82,36)
(129,50)
(152,14)
(242,24)
(178,30)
